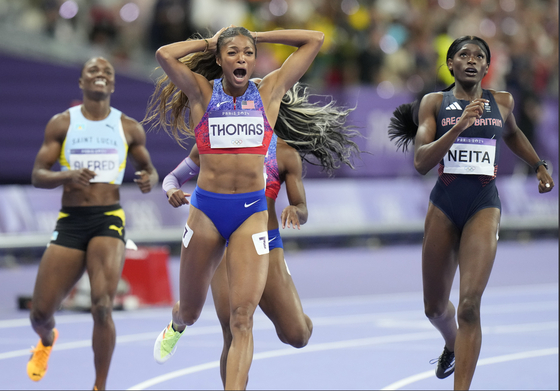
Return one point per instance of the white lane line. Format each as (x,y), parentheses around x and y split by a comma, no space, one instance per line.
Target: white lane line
(379,320)
(345,345)
(120,339)
(291,351)
(208,311)
(486,361)
(86,317)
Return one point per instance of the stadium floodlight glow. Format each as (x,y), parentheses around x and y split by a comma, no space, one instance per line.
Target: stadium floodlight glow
(278,7)
(446,4)
(507,5)
(129,12)
(385,89)
(350,7)
(388,44)
(487,27)
(510,26)
(415,84)
(68,9)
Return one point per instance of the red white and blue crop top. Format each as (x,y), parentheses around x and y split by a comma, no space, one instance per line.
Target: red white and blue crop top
(234,125)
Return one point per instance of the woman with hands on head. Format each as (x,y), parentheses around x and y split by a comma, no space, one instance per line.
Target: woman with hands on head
(308,129)
(460,128)
(232,121)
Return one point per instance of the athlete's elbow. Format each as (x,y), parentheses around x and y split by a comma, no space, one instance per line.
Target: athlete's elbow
(162,55)
(318,38)
(36,180)
(422,170)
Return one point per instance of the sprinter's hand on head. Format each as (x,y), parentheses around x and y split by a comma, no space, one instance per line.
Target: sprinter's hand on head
(82,176)
(176,197)
(290,217)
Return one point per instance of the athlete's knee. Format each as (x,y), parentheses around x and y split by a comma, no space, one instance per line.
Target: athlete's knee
(468,311)
(187,315)
(435,310)
(297,336)
(241,320)
(101,311)
(297,339)
(39,318)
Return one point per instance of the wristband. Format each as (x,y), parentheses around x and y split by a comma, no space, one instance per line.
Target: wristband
(540,163)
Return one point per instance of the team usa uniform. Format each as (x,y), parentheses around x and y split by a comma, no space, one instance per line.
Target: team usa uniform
(467,173)
(187,169)
(272,188)
(100,146)
(229,126)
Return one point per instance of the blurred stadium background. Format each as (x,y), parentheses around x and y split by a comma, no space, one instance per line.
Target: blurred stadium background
(377,55)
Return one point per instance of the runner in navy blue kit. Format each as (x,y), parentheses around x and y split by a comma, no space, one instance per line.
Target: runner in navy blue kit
(461,128)
(232,120)
(318,130)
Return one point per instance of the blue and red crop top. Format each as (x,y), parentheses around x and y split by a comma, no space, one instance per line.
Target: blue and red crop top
(234,125)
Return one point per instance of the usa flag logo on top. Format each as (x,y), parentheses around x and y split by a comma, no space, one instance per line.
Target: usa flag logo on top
(247,104)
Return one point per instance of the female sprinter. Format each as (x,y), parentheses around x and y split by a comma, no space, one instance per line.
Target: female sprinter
(313,129)
(460,128)
(232,121)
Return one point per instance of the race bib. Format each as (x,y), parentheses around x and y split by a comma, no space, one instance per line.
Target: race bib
(103,161)
(471,156)
(235,128)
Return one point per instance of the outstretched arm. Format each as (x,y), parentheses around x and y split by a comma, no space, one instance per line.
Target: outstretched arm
(516,140)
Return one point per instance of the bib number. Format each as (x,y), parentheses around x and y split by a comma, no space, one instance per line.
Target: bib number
(236,129)
(471,156)
(104,162)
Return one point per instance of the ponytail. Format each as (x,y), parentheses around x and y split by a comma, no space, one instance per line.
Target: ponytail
(404,123)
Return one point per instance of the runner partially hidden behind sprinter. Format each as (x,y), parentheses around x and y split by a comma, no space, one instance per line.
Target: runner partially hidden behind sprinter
(90,231)
(461,129)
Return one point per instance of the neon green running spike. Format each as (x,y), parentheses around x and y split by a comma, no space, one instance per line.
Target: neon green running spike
(166,344)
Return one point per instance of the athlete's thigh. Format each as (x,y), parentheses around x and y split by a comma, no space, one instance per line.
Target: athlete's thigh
(478,250)
(201,253)
(105,260)
(247,269)
(220,292)
(59,270)
(439,255)
(280,300)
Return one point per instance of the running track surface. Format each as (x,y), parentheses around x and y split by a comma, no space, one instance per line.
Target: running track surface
(369,330)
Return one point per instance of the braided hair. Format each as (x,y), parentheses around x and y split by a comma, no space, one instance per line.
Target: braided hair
(317,131)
